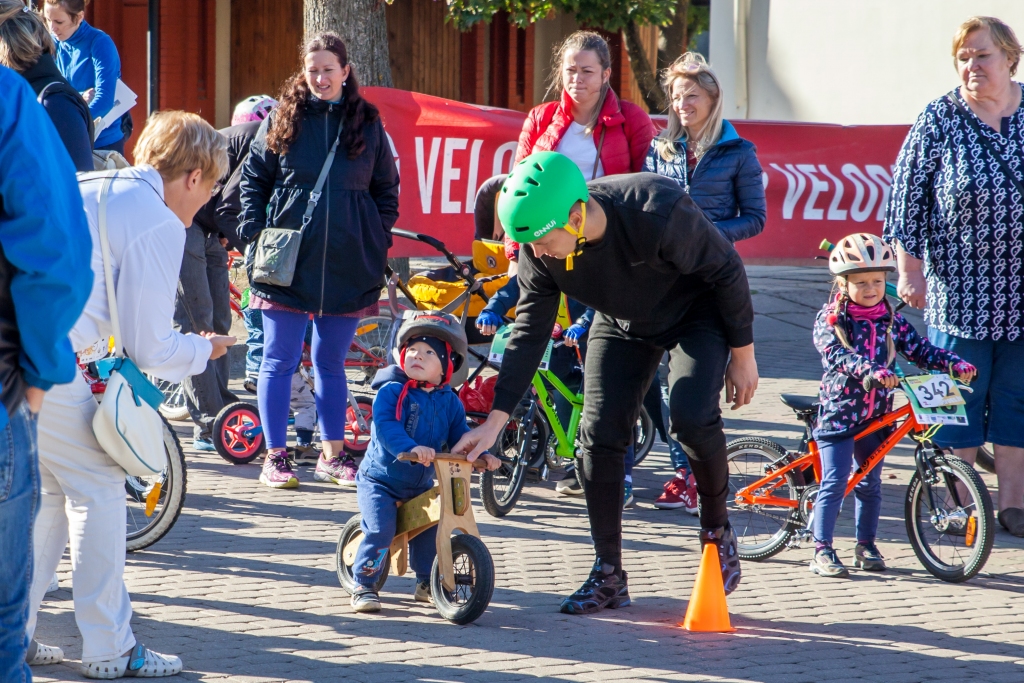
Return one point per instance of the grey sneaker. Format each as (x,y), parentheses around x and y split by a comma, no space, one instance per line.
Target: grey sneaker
(867,557)
(423,593)
(725,541)
(570,486)
(340,470)
(365,600)
(827,563)
(304,454)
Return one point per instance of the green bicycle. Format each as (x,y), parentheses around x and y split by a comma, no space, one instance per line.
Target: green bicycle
(539,436)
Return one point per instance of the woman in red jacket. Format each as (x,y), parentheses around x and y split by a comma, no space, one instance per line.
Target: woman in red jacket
(588,123)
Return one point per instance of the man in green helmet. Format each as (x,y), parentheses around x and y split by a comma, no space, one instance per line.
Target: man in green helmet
(662,278)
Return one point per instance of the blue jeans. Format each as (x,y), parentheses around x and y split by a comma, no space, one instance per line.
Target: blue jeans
(377,504)
(19,502)
(285,331)
(253,318)
(837,457)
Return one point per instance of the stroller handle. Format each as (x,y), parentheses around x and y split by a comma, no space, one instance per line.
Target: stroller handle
(460,267)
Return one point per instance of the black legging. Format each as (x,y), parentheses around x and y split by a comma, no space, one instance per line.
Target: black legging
(620,368)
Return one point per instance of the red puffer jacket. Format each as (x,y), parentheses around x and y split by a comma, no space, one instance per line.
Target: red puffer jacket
(629,132)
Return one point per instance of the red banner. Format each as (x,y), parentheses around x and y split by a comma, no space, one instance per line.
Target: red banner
(821,181)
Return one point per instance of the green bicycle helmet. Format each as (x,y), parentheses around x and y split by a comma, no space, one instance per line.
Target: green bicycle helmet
(538,194)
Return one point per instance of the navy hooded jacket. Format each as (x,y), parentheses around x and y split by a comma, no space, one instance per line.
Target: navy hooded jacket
(726,183)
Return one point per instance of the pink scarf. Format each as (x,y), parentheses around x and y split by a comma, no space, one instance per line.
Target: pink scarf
(858,312)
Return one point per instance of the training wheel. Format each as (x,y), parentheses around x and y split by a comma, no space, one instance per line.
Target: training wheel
(238,433)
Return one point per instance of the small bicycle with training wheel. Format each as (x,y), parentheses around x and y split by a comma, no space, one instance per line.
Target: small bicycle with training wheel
(947,508)
(462,578)
(537,437)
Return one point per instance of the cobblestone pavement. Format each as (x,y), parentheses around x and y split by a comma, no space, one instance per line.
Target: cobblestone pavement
(243,588)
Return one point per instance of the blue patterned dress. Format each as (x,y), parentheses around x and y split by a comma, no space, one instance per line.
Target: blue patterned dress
(953,207)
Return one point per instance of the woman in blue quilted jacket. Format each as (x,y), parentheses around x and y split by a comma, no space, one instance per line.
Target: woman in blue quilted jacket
(703,153)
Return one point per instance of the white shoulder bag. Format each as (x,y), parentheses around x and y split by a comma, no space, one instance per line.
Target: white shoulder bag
(127,424)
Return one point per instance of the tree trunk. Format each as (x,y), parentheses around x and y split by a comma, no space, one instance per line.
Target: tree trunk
(361,24)
(643,72)
(675,35)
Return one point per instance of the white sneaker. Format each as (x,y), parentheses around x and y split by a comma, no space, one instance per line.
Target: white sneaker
(54,584)
(43,655)
(139,662)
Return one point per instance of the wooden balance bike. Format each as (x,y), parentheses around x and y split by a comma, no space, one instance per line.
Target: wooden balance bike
(462,579)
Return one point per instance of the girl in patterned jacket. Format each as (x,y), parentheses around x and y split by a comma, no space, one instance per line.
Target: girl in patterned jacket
(859,335)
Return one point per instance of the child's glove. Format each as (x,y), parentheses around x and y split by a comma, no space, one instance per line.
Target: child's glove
(886,377)
(488,322)
(964,371)
(576,332)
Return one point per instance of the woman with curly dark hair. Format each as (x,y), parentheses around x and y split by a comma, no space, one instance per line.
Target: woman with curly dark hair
(339,269)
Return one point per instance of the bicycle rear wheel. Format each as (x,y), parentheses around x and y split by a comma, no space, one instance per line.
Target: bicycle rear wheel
(369,348)
(500,489)
(761,531)
(144,530)
(173,406)
(643,436)
(953,540)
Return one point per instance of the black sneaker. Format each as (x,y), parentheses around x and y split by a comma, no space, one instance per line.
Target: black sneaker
(604,588)
(826,563)
(728,555)
(867,557)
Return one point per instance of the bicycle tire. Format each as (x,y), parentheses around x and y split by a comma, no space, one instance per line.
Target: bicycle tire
(170,503)
(917,528)
(173,406)
(373,334)
(357,441)
(476,573)
(985,459)
(512,469)
(352,531)
(643,436)
(765,451)
(229,429)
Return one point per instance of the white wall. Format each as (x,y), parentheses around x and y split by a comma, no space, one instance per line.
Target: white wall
(840,61)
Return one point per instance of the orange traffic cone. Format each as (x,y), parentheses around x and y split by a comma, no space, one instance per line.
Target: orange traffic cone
(707,611)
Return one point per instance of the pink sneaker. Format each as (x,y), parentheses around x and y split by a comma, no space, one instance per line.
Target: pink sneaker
(678,493)
(340,470)
(277,472)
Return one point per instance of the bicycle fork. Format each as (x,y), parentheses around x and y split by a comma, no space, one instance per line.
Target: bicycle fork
(926,469)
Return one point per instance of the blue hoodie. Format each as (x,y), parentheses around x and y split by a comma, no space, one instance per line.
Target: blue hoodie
(429,418)
(89,59)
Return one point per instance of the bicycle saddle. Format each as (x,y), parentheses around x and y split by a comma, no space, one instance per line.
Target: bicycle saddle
(801,404)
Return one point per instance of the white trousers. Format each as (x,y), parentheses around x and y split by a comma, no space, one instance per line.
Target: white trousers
(83,498)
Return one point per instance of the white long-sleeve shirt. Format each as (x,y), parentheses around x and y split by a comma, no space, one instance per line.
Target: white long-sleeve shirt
(147,242)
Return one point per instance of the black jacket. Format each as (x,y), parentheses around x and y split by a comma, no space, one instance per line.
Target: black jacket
(659,256)
(341,261)
(220,216)
(68,111)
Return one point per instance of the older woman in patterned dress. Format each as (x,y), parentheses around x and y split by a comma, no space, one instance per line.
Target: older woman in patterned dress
(956,217)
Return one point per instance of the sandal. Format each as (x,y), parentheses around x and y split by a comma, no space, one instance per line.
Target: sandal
(1012,520)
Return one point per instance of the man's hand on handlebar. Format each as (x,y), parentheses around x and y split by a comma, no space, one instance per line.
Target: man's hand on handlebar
(488,322)
(477,440)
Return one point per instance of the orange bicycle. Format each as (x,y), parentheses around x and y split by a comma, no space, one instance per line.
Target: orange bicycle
(947,508)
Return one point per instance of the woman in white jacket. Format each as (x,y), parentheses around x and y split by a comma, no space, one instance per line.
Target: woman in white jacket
(180,157)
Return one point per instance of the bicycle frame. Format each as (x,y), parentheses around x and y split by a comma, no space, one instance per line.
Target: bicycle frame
(565,440)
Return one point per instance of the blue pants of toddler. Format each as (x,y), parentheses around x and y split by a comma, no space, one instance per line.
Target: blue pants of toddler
(378,505)
(838,454)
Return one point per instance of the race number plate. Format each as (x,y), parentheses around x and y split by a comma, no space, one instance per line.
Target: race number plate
(935,391)
(936,415)
(501,338)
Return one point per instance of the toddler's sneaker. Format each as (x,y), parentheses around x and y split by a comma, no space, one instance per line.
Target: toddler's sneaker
(139,662)
(728,554)
(867,557)
(603,588)
(423,593)
(249,384)
(277,472)
(203,445)
(304,454)
(680,492)
(570,486)
(43,655)
(627,498)
(826,563)
(365,600)
(340,470)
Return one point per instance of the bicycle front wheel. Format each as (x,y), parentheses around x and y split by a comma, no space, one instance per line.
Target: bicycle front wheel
(643,436)
(500,489)
(761,530)
(164,505)
(369,349)
(953,539)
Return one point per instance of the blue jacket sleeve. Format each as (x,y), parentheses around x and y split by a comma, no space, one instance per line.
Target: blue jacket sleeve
(106,63)
(43,233)
(389,432)
(257,184)
(72,128)
(749,191)
(457,426)
(505,298)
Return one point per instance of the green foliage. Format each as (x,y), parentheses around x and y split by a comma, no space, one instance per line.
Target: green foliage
(610,15)
(698,20)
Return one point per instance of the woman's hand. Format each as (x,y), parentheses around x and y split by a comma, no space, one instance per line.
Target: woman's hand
(477,440)
(488,322)
(88,95)
(912,286)
(34,396)
(220,343)
(741,377)
(424,455)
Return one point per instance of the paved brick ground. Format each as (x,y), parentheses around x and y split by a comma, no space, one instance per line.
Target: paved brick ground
(243,588)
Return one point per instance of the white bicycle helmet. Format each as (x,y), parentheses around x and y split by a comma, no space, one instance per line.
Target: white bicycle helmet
(255,108)
(861,252)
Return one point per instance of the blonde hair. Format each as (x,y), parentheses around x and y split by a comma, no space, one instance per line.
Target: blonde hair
(691,67)
(177,142)
(1002,35)
(23,36)
(578,42)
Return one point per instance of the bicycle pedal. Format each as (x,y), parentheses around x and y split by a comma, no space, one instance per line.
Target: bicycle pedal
(544,472)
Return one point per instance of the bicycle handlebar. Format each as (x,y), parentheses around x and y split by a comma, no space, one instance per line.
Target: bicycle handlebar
(478,464)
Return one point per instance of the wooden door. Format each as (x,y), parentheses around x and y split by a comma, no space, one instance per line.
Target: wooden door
(266,37)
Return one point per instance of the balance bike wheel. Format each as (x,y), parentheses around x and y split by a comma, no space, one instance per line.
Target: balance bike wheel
(238,433)
(474,581)
(351,537)
(356,439)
